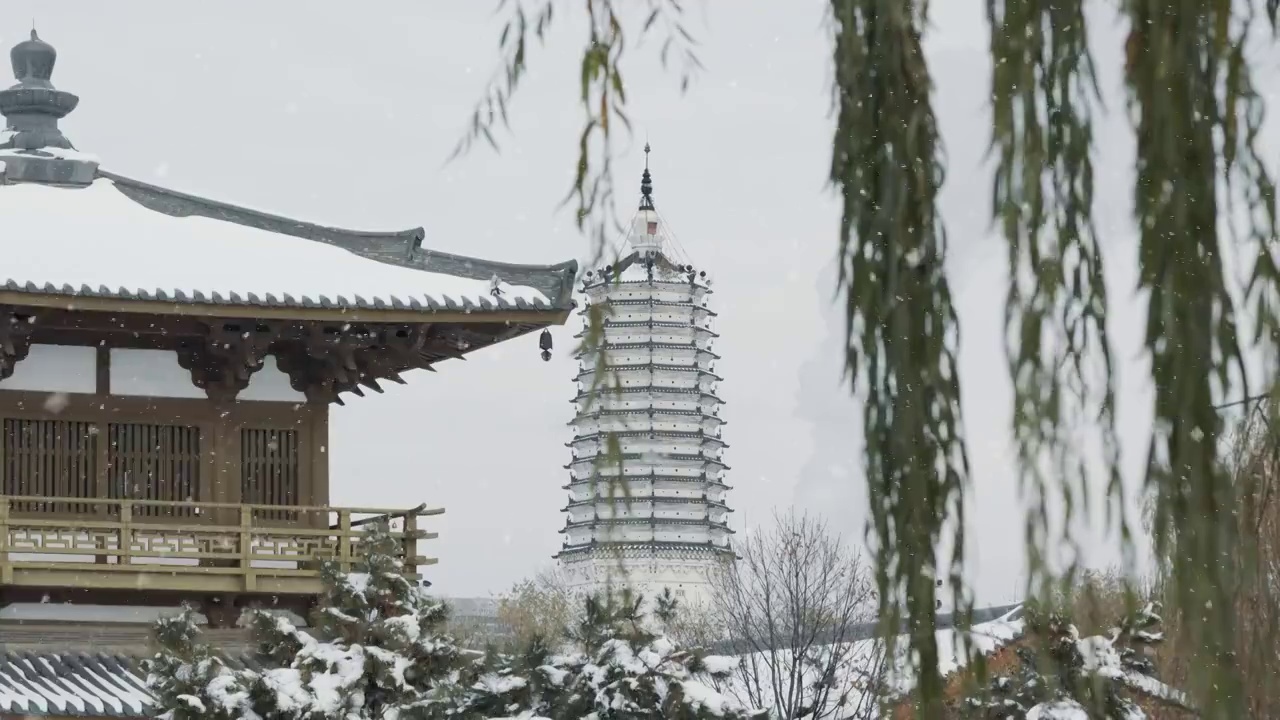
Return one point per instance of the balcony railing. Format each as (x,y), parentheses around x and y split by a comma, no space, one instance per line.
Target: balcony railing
(111,544)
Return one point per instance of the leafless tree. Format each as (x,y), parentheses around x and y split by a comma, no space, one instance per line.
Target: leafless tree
(792,606)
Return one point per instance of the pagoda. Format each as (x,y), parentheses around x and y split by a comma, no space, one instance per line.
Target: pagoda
(646,391)
(167,367)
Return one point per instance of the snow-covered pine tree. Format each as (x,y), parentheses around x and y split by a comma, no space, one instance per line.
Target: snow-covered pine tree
(1091,677)
(527,684)
(626,669)
(189,679)
(617,665)
(376,650)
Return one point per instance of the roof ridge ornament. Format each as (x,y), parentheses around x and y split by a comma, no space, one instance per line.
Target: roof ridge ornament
(33,61)
(33,147)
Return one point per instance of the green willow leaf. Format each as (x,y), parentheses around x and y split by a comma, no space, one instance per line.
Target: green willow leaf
(1187,84)
(1043,90)
(902,326)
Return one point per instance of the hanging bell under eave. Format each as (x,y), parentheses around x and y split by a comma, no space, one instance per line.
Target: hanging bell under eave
(544,342)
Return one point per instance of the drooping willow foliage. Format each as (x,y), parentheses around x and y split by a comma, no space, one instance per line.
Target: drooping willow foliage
(1196,120)
(1196,117)
(1043,94)
(903,330)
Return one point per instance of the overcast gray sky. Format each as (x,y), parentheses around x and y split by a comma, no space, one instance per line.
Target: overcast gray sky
(343,113)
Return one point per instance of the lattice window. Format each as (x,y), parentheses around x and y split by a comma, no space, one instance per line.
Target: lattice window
(154,462)
(269,470)
(51,458)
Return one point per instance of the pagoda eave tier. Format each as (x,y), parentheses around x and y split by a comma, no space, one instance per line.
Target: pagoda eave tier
(627,305)
(605,480)
(596,413)
(605,548)
(607,392)
(652,434)
(655,328)
(607,346)
(632,369)
(609,522)
(643,499)
(605,459)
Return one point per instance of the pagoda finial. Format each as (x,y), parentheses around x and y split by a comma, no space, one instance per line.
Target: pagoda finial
(646,183)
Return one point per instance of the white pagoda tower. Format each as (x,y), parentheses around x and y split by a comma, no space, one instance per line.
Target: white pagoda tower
(664,522)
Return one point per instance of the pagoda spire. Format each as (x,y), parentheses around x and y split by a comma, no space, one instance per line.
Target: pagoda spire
(646,183)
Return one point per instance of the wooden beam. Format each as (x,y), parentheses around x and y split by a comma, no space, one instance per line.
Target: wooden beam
(102,359)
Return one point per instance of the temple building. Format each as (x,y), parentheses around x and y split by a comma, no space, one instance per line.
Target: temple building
(167,366)
(646,395)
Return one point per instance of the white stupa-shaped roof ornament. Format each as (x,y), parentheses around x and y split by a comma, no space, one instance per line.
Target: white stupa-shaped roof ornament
(647,236)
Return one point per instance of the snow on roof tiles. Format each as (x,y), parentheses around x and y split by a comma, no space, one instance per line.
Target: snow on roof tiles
(73,685)
(102,241)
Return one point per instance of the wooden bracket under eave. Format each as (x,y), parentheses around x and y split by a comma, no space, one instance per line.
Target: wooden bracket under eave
(15,338)
(231,351)
(327,361)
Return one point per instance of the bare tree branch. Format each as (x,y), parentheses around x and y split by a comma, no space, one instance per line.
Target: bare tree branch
(793,603)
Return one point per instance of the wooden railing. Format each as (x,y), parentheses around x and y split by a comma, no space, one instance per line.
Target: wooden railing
(96,543)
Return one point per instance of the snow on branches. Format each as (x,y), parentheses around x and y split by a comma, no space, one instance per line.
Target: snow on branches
(618,666)
(1060,674)
(375,650)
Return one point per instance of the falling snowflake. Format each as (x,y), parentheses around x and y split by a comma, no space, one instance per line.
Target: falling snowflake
(56,402)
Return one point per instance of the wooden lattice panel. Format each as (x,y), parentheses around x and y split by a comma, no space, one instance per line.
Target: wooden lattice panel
(50,458)
(269,470)
(154,462)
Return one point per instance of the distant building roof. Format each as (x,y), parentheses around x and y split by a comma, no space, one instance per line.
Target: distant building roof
(70,228)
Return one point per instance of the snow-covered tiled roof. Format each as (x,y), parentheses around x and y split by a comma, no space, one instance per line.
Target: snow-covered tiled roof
(73,685)
(70,228)
(120,238)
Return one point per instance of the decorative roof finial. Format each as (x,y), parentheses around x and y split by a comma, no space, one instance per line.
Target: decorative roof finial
(31,111)
(33,61)
(33,106)
(646,183)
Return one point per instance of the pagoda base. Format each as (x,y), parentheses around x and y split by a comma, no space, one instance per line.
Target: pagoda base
(688,571)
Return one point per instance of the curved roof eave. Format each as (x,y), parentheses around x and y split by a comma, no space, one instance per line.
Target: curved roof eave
(402,248)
